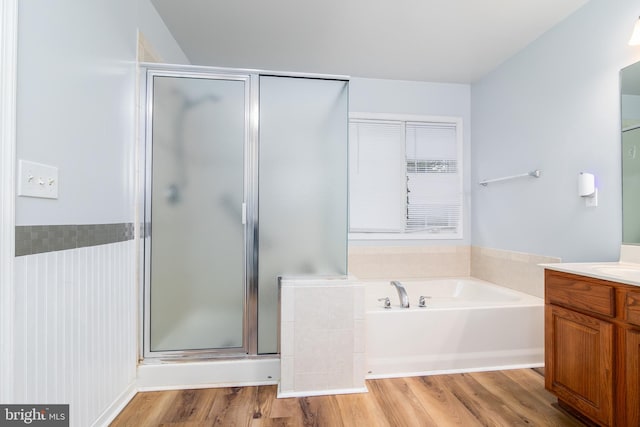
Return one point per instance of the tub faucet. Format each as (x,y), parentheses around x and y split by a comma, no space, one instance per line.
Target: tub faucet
(402,293)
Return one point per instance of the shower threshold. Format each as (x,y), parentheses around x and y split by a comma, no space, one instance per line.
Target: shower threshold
(202,356)
(180,373)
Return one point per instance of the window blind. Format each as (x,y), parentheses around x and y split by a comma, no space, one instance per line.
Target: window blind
(405,177)
(376,176)
(434,196)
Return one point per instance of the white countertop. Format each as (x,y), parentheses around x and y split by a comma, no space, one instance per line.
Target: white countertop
(621,272)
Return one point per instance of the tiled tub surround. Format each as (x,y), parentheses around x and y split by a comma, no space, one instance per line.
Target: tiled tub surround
(322,341)
(515,270)
(375,262)
(36,239)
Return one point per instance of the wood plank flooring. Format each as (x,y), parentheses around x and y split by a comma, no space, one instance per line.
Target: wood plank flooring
(500,398)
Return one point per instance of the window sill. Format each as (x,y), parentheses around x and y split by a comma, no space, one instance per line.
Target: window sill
(404,236)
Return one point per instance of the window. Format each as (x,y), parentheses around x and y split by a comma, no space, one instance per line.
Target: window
(405,177)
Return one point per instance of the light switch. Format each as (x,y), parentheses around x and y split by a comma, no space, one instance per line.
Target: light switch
(37,180)
(592,201)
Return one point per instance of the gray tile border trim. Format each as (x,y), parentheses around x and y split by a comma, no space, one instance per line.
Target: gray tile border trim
(37,239)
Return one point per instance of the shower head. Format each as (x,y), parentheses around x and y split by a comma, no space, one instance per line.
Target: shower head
(172,194)
(188,103)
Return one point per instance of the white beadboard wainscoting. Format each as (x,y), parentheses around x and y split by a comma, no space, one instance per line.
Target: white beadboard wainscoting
(75,330)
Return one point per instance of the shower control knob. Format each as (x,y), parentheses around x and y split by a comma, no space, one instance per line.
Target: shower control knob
(422,301)
(387,302)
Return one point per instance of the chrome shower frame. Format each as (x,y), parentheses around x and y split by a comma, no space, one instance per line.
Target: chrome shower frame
(249,336)
(251,78)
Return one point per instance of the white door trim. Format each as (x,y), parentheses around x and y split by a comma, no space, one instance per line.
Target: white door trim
(8,78)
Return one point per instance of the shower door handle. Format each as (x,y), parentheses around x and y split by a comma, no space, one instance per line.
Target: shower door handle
(244,213)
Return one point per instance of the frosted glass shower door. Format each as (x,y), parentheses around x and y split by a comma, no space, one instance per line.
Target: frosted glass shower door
(197,251)
(302,187)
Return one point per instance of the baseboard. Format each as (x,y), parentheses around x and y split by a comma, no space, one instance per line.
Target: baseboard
(453,371)
(116,407)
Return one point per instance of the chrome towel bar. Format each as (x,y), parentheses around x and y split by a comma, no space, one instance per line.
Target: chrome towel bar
(533,174)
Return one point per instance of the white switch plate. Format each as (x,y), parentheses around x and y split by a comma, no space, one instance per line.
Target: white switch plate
(37,180)
(592,201)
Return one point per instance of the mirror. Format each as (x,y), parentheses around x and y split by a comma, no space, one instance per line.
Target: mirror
(630,116)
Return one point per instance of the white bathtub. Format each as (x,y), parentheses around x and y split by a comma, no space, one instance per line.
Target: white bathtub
(468,325)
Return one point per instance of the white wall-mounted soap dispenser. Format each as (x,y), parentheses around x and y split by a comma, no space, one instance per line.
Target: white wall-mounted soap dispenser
(587,189)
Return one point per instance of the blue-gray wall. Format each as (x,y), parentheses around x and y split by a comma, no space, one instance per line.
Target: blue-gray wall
(77,104)
(76,108)
(554,106)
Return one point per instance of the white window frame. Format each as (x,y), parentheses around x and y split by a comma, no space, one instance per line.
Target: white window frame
(450,120)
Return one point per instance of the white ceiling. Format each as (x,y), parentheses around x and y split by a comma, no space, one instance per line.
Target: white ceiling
(456,41)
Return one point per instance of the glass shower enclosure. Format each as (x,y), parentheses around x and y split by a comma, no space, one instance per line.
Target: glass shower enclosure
(245,182)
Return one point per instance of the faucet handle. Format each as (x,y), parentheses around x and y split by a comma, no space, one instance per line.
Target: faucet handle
(422,300)
(387,302)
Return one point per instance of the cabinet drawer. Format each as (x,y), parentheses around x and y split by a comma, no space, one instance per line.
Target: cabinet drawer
(632,307)
(580,293)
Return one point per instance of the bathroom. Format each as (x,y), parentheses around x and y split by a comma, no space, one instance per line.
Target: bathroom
(553,106)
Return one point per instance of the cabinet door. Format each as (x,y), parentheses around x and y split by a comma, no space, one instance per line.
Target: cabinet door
(579,362)
(632,378)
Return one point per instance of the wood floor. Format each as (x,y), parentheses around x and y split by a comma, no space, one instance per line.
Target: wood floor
(501,398)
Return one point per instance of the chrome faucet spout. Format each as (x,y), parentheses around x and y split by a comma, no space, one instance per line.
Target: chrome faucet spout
(402,293)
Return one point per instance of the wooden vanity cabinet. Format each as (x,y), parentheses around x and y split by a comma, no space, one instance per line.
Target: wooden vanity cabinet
(592,347)
(629,393)
(579,354)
